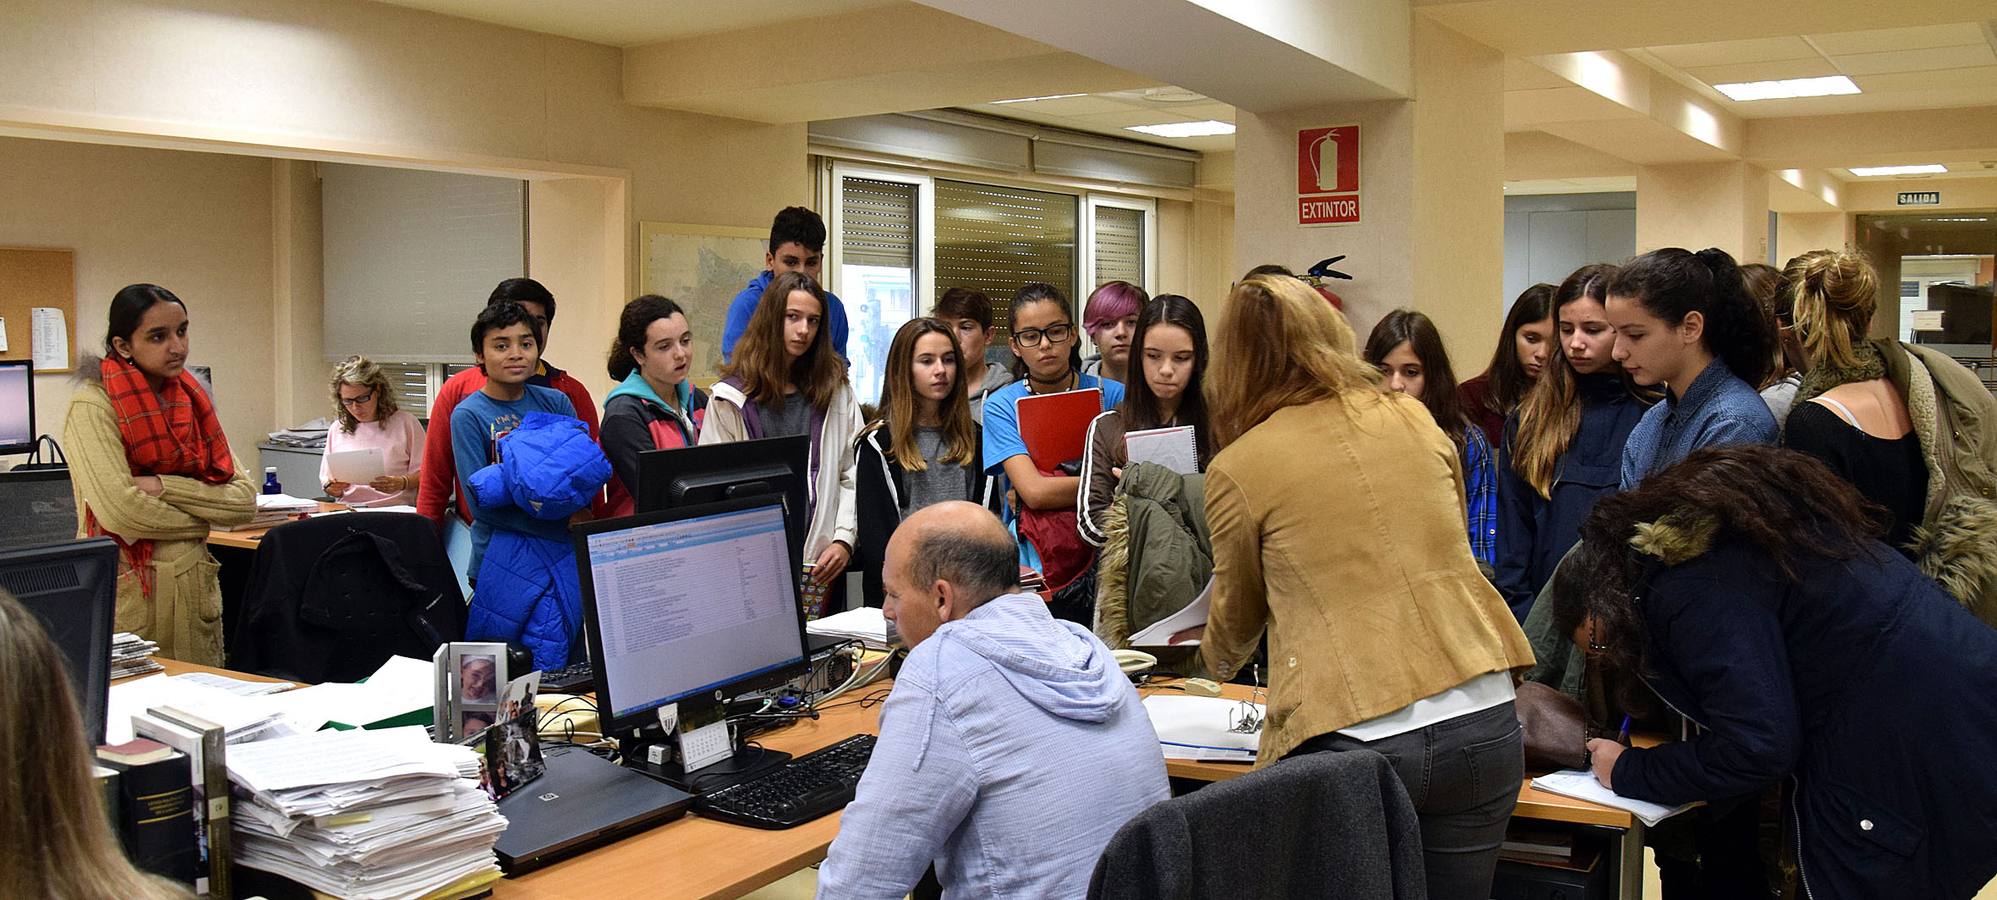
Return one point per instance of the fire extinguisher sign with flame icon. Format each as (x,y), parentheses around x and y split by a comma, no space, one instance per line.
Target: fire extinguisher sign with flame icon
(1328,175)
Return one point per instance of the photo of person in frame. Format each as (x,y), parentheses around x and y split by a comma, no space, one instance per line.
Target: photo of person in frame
(475,722)
(478,679)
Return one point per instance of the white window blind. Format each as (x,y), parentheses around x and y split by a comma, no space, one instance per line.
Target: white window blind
(995,239)
(876,254)
(410,257)
(411,384)
(1119,245)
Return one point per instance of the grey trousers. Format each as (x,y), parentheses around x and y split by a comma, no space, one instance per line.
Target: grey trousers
(1463,775)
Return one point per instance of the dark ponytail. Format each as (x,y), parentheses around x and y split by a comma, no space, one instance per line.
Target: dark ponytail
(1042,292)
(1673,282)
(632,324)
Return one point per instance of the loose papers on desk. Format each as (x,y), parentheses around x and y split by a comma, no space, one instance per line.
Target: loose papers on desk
(242,718)
(868,625)
(374,815)
(1582,786)
(1198,728)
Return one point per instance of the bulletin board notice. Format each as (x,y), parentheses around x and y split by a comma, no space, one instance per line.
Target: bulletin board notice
(38,283)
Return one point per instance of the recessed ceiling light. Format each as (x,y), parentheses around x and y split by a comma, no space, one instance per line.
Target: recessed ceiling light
(1037,99)
(1185,129)
(1869,171)
(1788,87)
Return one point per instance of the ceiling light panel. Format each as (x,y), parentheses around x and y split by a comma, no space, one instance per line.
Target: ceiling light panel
(1184,129)
(1826,86)
(1873,171)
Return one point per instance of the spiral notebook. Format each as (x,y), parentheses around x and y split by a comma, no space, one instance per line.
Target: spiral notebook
(1175,448)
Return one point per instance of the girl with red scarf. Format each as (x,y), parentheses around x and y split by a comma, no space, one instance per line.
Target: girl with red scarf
(151,469)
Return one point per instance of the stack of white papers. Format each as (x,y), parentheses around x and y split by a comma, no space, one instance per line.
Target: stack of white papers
(132,655)
(236,686)
(1582,786)
(866,625)
(244,718)
(1200,728)
(401,686)
(374,815)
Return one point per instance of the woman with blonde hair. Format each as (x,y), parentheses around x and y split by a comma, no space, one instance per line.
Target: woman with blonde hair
(1383,634)
(1907,426)
(366,417)
(58,839)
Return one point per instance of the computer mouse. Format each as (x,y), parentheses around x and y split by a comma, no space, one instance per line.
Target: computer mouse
(1201,687)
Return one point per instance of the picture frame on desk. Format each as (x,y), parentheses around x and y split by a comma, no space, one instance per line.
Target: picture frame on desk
(470,676)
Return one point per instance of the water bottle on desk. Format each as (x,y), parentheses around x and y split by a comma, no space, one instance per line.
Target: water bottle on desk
(270,485)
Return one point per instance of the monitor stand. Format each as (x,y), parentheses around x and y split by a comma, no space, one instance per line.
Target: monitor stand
(741,762)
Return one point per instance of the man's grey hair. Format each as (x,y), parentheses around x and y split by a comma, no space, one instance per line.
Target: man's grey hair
(981,566)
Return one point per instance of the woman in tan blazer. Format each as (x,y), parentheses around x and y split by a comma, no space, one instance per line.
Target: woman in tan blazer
(1337,515)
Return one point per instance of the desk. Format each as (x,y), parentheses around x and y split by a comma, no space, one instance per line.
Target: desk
(247,538)
(1535,804)
(691,856)
(696,857)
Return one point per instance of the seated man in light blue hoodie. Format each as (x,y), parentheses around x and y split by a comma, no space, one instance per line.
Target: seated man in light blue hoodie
(1012,747)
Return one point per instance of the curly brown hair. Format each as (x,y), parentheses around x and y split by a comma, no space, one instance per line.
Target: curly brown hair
(360,371)
(1789,505)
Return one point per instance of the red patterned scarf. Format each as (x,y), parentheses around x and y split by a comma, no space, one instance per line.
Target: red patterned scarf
(172,432)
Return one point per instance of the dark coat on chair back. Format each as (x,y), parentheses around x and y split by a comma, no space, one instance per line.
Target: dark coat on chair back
(1864,681)
(332,598)
(1319,825)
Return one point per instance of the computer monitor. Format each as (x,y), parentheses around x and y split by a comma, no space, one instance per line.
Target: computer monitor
(690,476)
(17,406)
(37,506)
(690,607)
(73,589)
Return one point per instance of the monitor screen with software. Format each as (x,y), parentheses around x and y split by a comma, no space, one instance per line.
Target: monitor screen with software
(688,606)
(72,588)
(17,406)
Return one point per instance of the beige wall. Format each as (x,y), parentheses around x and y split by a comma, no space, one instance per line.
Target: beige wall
(1431,234)
(197,223)
(1797,232)
(298,296)
(1700,205)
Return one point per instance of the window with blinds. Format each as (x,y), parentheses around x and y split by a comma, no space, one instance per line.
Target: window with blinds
(995,239)
(411,385)
(876,278)
(1119,245)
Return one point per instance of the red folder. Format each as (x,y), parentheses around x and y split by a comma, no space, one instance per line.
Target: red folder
(1055,427)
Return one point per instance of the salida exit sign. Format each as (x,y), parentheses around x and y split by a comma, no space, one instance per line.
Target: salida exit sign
(1328,175)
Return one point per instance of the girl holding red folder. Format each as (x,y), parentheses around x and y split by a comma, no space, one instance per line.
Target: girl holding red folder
(1047,361)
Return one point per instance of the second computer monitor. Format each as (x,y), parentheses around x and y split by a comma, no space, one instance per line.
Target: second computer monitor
(690,606)
(692,476)
(72,588)
(17,406)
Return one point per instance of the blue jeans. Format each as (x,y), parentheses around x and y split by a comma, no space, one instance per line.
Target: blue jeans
(1463,775)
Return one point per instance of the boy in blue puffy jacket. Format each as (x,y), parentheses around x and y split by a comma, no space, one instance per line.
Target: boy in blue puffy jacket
(526,464)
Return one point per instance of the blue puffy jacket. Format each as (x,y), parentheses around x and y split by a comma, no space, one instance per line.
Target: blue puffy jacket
(527,589)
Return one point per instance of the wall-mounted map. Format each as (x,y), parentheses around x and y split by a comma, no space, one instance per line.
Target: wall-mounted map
(702,268)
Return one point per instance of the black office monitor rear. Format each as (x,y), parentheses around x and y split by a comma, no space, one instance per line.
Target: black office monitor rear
(716,473)
(37,506)
(17,406)
(73,589)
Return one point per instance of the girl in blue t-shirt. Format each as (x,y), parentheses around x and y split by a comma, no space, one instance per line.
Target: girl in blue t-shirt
(1047,360)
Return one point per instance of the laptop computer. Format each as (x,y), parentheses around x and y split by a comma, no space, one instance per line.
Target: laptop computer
(582,801)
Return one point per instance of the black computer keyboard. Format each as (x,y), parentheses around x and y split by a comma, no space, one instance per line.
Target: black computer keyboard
(574,678)
(797,792)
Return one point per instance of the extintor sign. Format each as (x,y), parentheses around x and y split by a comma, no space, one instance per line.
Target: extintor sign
(1328,175)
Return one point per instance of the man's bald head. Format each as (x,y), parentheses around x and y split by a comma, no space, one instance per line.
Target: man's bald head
(943,562)
(962,543)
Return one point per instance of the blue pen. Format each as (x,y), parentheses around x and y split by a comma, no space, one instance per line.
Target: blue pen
(1623,737)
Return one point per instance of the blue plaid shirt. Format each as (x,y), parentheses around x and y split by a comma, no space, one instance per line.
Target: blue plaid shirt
(1480,488)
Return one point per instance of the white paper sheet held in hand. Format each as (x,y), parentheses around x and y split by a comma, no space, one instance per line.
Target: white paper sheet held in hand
(1159,633)
(355,466)
(1582,786)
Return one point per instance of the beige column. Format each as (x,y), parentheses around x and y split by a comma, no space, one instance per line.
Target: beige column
(1700,205)
(1431,229)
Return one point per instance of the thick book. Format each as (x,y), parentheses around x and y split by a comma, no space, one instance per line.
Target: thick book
(156,815)
(1055,427)
(203,742)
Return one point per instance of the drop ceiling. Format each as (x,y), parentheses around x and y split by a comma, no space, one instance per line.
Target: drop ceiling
(1113,113)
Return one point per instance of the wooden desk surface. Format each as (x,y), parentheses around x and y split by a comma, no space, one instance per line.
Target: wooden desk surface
(1533,803)
(247,538)
(697,857)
